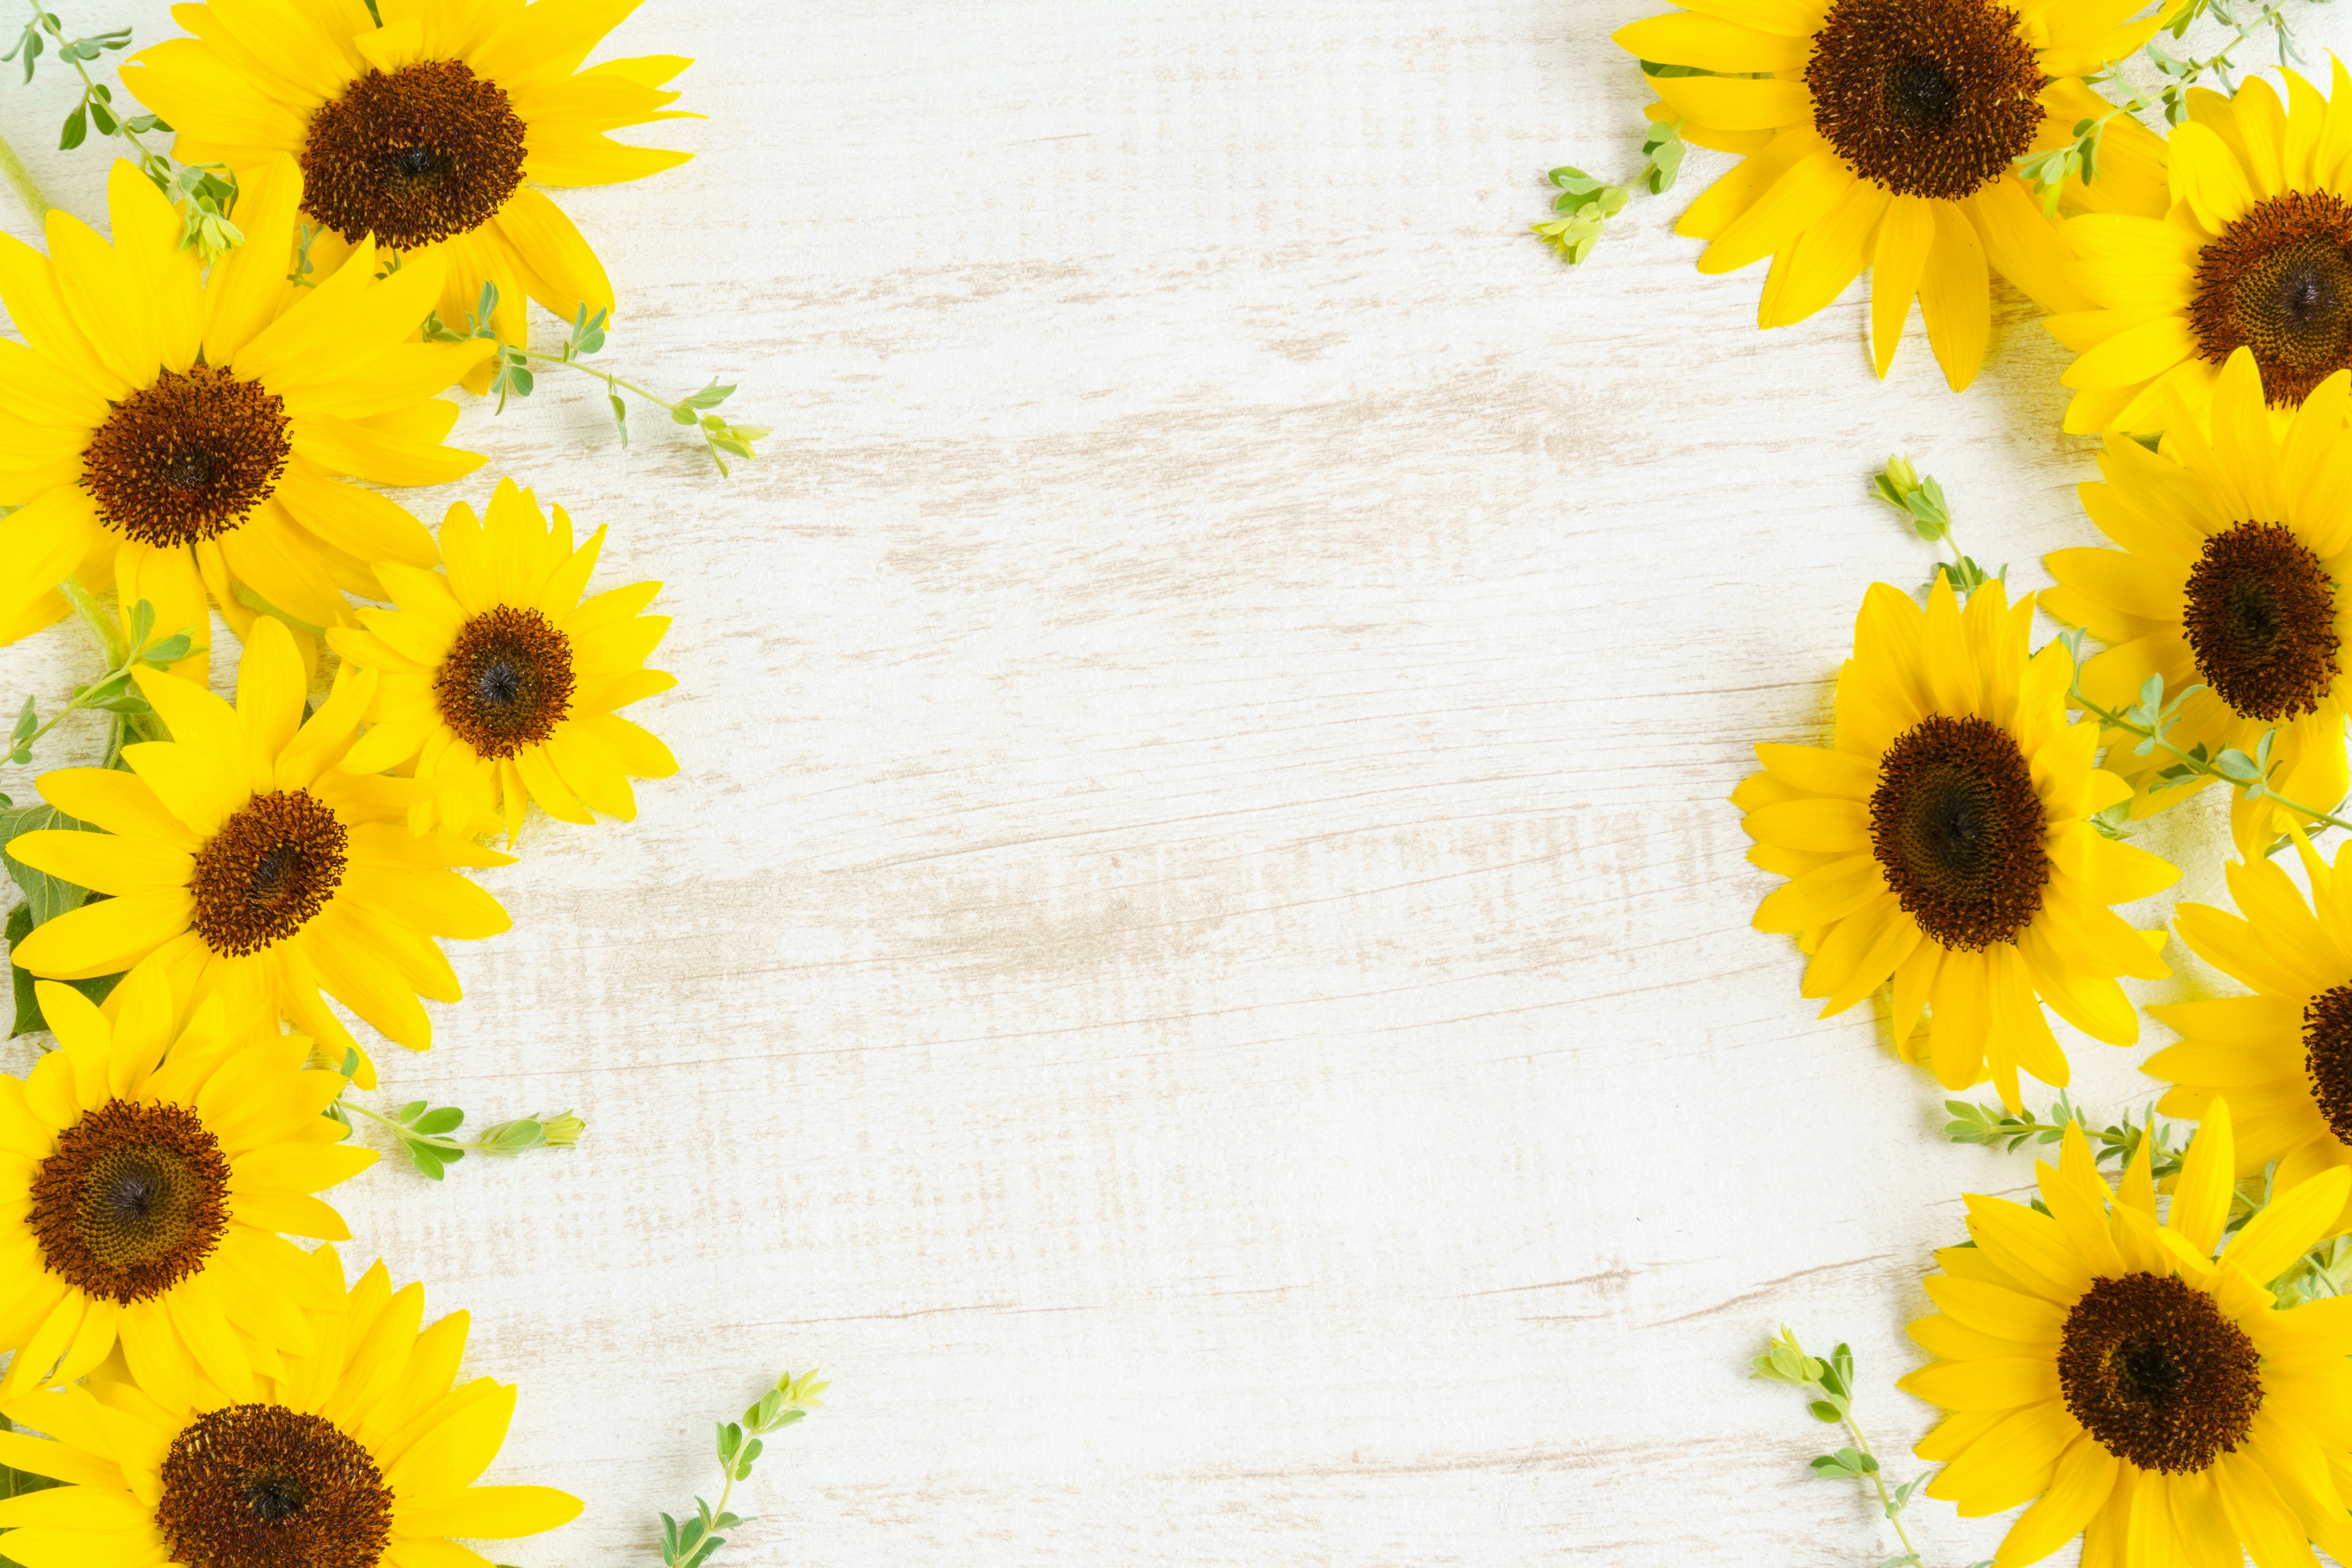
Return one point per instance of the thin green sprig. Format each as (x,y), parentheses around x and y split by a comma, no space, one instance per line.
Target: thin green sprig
(1828,1387)
(1590,202)
(114,692)
(205,194)
(2116,1144)
(423,1130)
(1921,501)
(721,438)
(691,1543)
(2150,720)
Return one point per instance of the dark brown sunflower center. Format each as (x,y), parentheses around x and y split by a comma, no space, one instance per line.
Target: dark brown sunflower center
(506,682)
(188,458)
(1957,828)
(260,1485)
(429,150)
(270,868)
(2279,281)
(2261,619)
(1927,98)
(2327,1058)
(131,1201)
(2157,1374)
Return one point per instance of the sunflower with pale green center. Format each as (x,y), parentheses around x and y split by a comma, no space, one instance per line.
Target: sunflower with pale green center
(498,678)
(360,1450)
(2104,1366)
(1884,135)
(1942,844)
(146,1174)
(427,133)
(241,859)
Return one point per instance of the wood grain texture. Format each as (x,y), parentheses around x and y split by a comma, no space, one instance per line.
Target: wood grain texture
(1198,961)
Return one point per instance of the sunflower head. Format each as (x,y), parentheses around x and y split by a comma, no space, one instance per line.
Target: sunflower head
(2246,246)
(153,1165)
(241,858)
(430,132)
(1942,842)
(2228,577)
(1884,134)
(359,1449)
(2104,1366)
(183,435)
(498,680)
(2283,1052)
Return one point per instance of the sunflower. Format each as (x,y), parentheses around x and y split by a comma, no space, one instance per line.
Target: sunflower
(2230,578)
(2245,244)
(1942,842)
(171,435)
(242,860)
(359,1449)
(145,1174)
(2151,1396)
(423,132)
(2283,1055)
(499,682)
(1883,133)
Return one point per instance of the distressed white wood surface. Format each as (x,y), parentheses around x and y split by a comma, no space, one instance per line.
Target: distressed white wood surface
(1198,962)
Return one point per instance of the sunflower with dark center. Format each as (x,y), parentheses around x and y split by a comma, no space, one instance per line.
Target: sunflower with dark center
(2228,577)
(149,1221)
(178,436)
(1941,843)
(341,1460)
(499,677)
(2151,1396)
(2255,256)
(2282,1049)
(1884,134)
(435,149)
(242,858)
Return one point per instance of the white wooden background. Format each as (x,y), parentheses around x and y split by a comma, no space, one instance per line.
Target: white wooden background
(1198,962)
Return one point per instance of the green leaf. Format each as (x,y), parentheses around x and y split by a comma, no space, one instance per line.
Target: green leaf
(440,1124)
(29,1020)
(428,1159)
(1824,1411)
(76,129)
(411,1112)
(48,897)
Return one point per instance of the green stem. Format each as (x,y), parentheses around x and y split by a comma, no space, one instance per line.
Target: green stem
(20,180)
(151,163)
(2199,765)
(1878,1480)
(406,1136)
(607,377)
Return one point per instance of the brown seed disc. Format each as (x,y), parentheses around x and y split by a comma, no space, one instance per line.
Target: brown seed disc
(506,682)
(188,458)
(1926,97)
(2261,620)
(260,1485)
(429,150)
(132,1200)
(2327,1058)
(2279,281)
(1957,827)
(272,865)
(2157,1374)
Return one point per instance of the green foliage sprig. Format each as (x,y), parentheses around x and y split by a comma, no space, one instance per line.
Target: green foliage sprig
(1828,1387)
(113,692)
(741,1443)
(1922,502)
(423,1130)
(2116,1144)
(2185,73)
(513,377)
(205,194)
(1590,203)
(2152,716)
